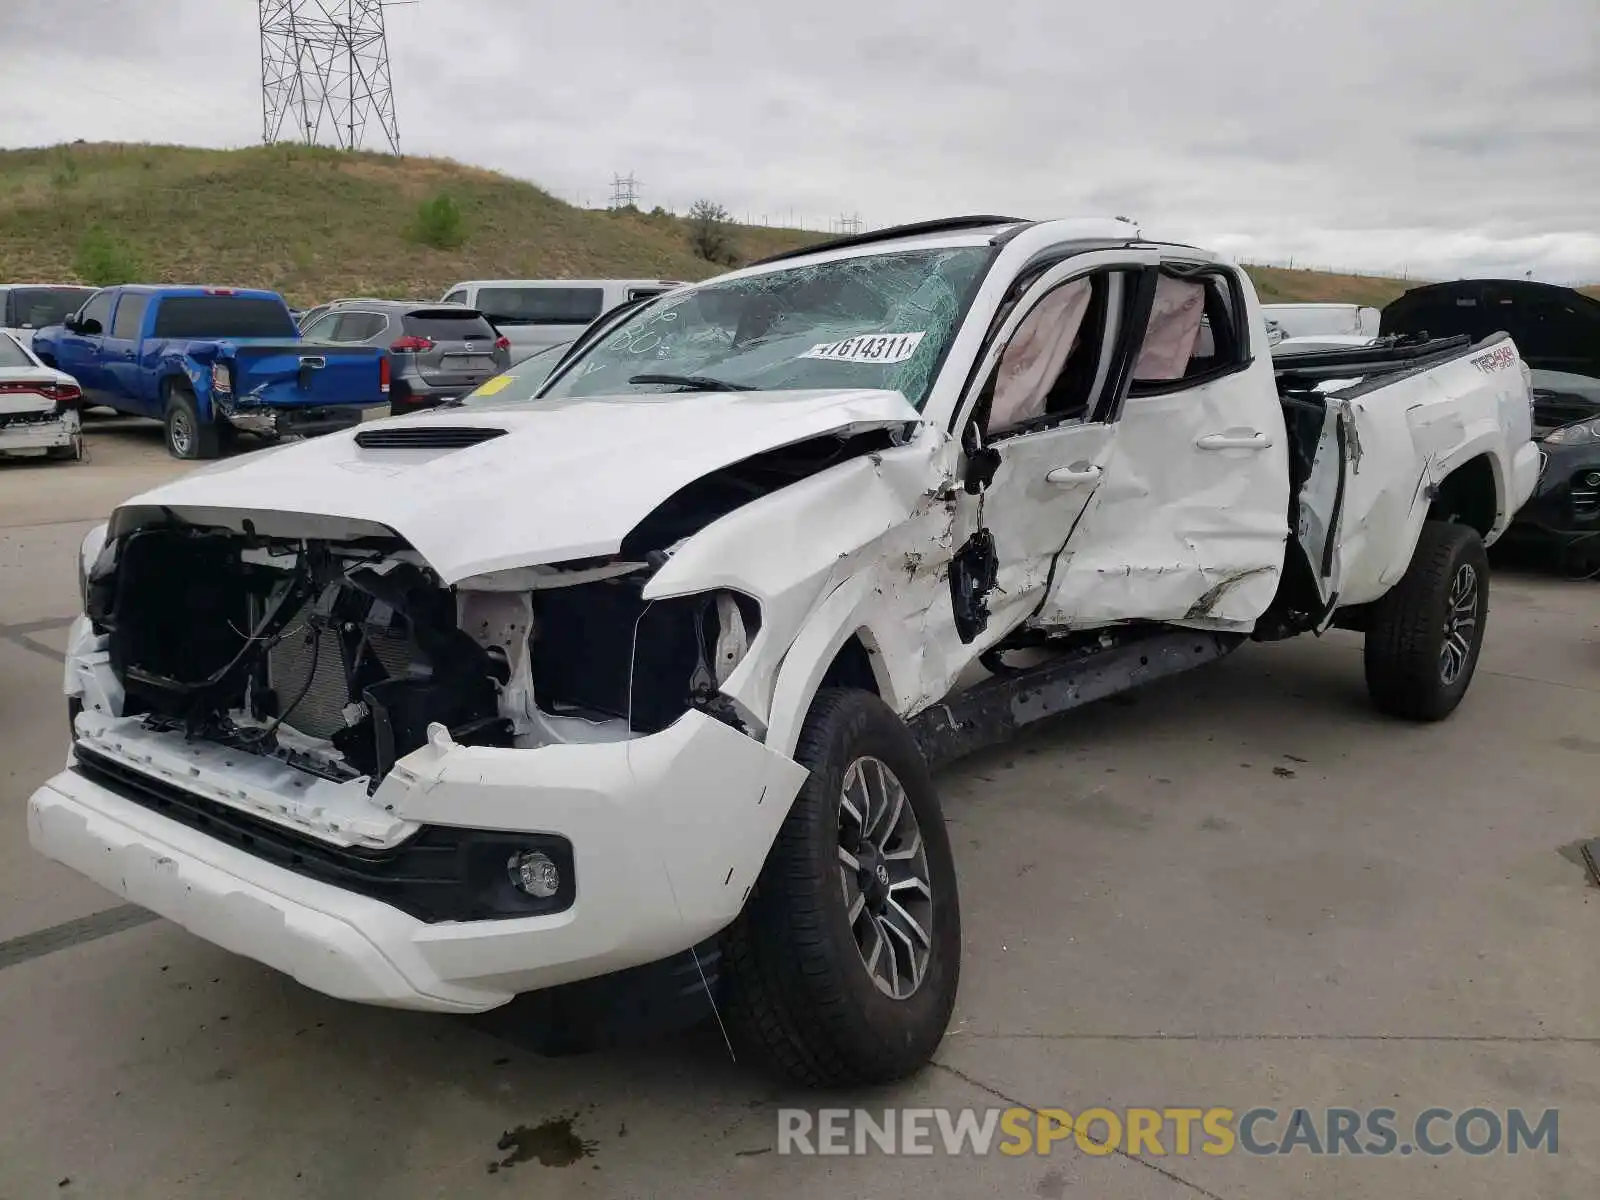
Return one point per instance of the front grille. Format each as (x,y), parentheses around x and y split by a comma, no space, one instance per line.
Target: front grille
(1583,495)
(426,437)
(437,874)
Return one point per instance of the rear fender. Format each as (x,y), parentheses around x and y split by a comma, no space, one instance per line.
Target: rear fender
(175,368)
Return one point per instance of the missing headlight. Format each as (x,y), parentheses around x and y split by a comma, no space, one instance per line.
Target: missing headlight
(603,651)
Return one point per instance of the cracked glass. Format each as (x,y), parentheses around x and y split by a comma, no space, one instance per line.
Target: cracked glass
(873,321)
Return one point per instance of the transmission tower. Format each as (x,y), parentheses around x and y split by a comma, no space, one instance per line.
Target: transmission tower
(325,72)
(624,191)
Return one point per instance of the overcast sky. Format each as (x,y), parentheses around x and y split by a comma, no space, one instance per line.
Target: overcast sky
(1434,137)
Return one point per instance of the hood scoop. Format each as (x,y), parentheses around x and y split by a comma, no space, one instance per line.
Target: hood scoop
(426,437)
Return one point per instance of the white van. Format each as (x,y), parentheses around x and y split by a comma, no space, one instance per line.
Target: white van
(537,313)
(28,307)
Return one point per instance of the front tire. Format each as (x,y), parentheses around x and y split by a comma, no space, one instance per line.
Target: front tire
(1425,635)
(186,434)
(843,967)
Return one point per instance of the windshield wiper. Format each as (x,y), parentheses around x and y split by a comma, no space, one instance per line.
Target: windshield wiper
(699,383)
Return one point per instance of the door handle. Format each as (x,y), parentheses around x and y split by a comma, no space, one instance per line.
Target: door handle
(1077,473)
(1229,441)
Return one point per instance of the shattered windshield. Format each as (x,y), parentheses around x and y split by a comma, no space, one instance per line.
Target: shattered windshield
(877,321)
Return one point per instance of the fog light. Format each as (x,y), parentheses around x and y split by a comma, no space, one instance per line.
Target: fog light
(533,872)
(1592,479)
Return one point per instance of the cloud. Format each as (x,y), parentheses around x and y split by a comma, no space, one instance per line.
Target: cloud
(1436,137)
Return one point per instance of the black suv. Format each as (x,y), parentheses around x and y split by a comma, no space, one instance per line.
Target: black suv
(1557,332)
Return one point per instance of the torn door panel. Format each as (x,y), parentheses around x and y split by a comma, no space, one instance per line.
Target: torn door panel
(1131,559)
(1032,508)
(1320,443)
(1189,521)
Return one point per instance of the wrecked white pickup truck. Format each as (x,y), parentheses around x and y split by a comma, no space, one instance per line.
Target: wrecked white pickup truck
(504,696)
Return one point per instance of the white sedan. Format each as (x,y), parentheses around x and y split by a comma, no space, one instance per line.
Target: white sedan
(39,406)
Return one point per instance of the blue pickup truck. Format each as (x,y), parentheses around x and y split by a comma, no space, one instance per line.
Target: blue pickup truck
(208,361)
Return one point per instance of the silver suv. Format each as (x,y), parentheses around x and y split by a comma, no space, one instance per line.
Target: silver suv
(437,351)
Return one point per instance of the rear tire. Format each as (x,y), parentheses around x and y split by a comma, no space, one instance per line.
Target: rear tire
(187,435)
(1425,634)
(801,994)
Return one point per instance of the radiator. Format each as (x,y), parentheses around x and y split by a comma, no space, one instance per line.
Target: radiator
(320,712)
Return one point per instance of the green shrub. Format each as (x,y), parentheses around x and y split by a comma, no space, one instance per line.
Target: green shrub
(103,259)
(711,233)
(439,223)
(66,172)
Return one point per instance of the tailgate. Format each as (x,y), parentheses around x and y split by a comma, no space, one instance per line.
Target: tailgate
(292,374)
(460,364)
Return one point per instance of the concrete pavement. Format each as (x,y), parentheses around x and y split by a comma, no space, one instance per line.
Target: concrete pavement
(1239,888)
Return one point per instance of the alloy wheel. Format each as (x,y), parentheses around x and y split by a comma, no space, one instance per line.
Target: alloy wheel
(883,877)
(1460,626)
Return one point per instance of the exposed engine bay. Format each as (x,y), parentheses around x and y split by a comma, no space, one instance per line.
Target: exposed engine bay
(336,658)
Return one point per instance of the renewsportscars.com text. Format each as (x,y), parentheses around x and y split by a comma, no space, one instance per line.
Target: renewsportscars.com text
(1163,1132)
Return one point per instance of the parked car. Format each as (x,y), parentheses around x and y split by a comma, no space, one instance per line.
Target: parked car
(26,307)
(536,313)
(438,351)
(653,666)
(206,361)
(39,406)
(304,317)
(1323,341)
(1301,320)
(1557,331)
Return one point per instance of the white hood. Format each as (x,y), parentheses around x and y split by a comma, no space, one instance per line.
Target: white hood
(569,480)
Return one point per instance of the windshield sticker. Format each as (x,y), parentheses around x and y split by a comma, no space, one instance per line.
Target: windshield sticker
(498,384)
(882,349)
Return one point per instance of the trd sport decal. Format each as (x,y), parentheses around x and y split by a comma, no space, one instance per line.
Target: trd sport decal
(1502,355)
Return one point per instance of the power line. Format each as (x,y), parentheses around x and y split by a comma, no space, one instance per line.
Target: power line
(325,72)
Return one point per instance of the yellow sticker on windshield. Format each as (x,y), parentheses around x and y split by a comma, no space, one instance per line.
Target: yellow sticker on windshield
(498,384)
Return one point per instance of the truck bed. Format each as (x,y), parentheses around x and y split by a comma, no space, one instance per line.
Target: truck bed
(1382,436)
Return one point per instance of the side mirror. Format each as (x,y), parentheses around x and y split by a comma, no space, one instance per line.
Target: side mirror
(70,322)
(89,326)
(982,461)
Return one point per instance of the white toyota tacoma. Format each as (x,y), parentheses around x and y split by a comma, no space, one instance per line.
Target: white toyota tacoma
(654,666)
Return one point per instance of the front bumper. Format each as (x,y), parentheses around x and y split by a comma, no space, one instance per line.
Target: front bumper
(1565,505)
(45,431)
(287,422)
(668,833)
(412,393)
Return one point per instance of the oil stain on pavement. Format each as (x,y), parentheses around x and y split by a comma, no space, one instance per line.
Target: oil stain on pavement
(552,1143)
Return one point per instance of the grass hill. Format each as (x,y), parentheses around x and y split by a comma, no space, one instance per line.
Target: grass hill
(1285,285)
(316,223)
